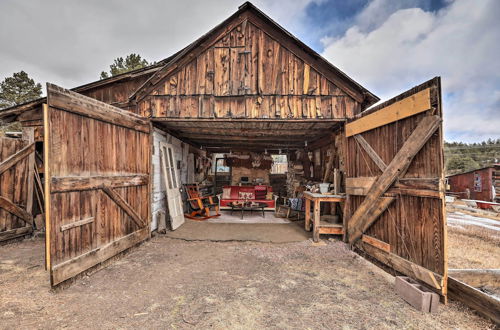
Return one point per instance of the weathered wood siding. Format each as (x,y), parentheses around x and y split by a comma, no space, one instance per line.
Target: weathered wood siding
(13,187)
(414,224)
(96,156)
(247,74)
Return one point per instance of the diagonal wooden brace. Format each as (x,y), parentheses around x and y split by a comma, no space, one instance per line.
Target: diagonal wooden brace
(361,219)
(124,206)
(22,214)
(18,156)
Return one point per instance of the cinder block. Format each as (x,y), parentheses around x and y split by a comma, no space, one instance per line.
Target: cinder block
(416,294)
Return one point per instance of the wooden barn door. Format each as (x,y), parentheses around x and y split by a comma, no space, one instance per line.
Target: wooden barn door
(395,185)
(97,166)
(16,187)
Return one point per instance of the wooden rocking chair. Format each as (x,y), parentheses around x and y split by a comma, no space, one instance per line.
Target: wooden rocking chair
(200,205)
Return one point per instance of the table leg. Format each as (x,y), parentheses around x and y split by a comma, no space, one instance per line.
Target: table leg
(308,215)
(316,220)
(241,213)
(263,215)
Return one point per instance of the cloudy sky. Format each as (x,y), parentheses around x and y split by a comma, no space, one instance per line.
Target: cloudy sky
(388,46)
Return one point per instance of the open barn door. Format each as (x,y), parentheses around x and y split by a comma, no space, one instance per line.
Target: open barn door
(97,166)
(395,185)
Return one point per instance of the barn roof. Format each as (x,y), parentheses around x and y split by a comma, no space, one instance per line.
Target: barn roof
(158,69)
(346,83)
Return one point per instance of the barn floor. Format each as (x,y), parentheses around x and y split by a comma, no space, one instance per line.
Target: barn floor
(173,283)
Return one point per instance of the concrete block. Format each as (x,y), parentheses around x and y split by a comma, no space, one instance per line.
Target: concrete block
(416,294)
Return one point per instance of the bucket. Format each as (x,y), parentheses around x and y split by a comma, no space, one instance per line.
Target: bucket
(323,187)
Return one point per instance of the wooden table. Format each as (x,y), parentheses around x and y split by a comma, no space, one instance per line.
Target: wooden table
(321,227)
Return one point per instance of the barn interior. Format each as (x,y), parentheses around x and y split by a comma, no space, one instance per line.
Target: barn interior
(281,156)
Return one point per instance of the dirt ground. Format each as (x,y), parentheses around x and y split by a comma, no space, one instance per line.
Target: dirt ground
(173,283)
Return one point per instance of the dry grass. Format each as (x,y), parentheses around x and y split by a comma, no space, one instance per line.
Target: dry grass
(473,247)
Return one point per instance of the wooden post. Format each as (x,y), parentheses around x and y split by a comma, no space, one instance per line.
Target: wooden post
(308,215)
(46,130)
(29,136)
(316,220)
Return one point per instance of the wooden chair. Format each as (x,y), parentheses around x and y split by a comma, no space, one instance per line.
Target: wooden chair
(200,205)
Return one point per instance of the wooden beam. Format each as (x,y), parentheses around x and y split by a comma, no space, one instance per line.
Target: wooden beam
(9,206)
(404,266)
(75,266)
(395,169)
(46,165)
(425,187)
(477,277)
(369,150)
(485,305)
(124,206)
(412,105)
(376,243)
(75,224)
(15,158)
(80,183)
(14,233)
(67,100)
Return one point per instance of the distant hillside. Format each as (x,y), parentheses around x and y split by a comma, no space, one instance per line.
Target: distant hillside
(461,157)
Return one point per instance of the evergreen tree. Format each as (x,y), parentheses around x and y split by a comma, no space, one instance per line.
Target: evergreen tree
(18,89)
(120,65)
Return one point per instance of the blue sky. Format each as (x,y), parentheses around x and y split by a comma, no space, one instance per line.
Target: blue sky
(388,46)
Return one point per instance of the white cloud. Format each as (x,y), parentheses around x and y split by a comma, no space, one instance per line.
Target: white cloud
(68,42)
(461,43)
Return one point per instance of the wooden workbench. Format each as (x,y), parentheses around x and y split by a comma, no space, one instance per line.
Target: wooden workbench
(321,227)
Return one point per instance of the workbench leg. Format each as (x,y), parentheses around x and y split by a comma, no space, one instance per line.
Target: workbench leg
(316,220)
(308,215)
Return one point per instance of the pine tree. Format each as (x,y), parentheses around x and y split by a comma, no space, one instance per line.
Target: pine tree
(120,65)
(18,89)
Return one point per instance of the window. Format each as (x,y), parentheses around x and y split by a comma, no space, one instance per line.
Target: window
(280,164)
(221,168)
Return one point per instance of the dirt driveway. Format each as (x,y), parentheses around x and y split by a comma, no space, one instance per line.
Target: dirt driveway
(171,283)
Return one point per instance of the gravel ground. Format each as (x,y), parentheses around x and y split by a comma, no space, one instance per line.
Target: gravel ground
(172,283)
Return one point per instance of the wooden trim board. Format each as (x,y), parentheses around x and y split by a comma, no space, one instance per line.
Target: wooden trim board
(75,266)
(78,223)
(376,243)
(46,143)
(412,105)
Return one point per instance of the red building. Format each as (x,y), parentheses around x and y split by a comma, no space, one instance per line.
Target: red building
(481,184)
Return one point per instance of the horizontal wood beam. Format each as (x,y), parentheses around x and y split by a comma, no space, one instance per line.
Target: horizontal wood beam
(477,277)
(247,120)
(22,214)
(79,183)
(420,187)
(404,266)
(126,207)
(67,100)
(14,233)
(15,158)
(484,304)
(78,223)
(75,266)
(412,105)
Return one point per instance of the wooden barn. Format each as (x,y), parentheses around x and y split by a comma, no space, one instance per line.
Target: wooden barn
(108,158)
